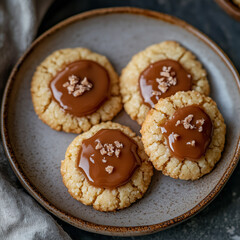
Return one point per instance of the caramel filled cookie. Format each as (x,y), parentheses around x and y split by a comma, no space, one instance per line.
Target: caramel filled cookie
(184,135)
(106,167)
(158,72)
(74,89)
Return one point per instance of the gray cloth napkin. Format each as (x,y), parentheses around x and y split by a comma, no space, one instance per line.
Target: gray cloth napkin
(20,216)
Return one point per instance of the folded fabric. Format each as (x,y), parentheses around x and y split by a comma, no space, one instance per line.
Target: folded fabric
(21,217)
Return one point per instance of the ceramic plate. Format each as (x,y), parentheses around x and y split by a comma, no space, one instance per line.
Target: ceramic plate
(35,151)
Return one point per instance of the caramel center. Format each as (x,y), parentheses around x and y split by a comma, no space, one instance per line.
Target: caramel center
(163,79)
(188,132)
(81,87)
(109,158)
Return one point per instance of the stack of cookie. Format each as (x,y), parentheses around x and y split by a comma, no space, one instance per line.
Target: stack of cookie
(164,88)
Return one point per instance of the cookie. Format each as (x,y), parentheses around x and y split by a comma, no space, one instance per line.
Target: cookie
(106,167)
(184,135)
(74,89)
(157,72)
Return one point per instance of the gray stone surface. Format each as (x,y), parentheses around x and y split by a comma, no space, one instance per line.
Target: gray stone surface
(221,219)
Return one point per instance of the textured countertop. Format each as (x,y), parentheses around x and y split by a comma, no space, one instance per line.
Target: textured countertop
(221,219)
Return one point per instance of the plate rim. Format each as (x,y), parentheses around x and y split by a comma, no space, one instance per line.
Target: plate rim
(230,8)
(80,223)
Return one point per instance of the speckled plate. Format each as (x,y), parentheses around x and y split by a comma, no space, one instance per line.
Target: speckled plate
(35,151)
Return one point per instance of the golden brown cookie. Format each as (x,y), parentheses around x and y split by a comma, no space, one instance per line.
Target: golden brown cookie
(87,189)
(168,50)
(159,147)
(58,115)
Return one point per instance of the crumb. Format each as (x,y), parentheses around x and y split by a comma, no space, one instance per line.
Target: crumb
(118,144)
(117,152)
(187,122)
(109,169)
(178,123)
(103,151)
(168,79)
(99,145)
(192,143)
(77,88)
(109,148)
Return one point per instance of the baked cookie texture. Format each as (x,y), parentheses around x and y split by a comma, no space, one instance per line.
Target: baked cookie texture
(129,78)
(105,199)
(155,143)
(49,111)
